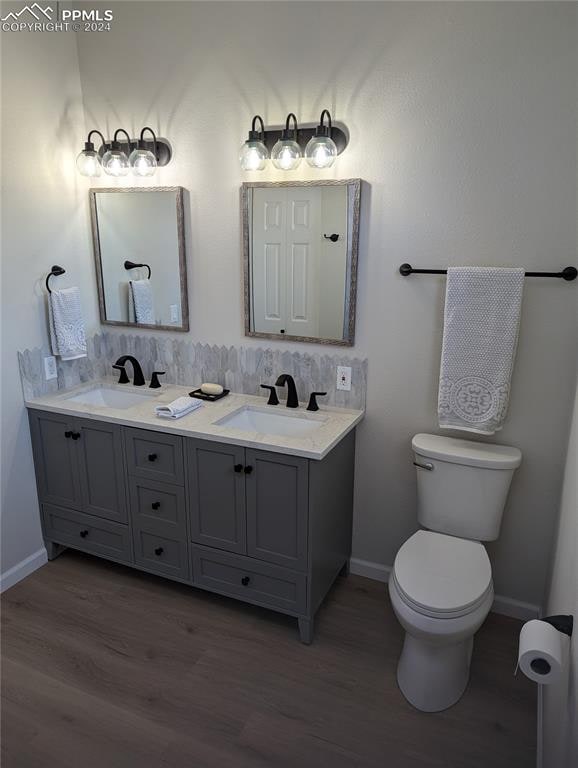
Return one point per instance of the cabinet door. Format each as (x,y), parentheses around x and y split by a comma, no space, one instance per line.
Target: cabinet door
(101,469)
(55,458)
(217,494)
(277,508)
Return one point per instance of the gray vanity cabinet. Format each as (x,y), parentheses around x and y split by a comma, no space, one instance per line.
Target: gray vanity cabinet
(217,494)
(267,528)
(55,459)
(80,464)
(277,508)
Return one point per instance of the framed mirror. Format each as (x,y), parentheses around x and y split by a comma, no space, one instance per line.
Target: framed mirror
(300,244)
(139,247)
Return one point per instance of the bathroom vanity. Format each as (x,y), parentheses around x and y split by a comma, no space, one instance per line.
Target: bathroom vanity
(264,518)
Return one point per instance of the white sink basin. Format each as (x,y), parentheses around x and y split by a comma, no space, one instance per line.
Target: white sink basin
(253,419)
(110,397)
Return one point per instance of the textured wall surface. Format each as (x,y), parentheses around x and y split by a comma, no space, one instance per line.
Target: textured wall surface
(462,122)
(240,369)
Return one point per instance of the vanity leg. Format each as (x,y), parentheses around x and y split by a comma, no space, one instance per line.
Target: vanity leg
(53,549)
(345,569)
(306,630)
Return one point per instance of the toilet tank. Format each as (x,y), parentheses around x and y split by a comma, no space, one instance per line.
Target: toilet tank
(463,488)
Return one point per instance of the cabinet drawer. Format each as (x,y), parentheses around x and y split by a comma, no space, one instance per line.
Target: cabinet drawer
(154,455)
(161,554)
(87,533)
(160,504)
(250,580)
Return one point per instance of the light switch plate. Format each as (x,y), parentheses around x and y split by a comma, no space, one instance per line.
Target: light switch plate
(344,378)
(50,371)
(174,313)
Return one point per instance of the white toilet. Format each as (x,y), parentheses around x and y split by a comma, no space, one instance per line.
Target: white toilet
(441,583)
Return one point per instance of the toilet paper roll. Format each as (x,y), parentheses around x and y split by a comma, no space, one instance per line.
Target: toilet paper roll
(540,652)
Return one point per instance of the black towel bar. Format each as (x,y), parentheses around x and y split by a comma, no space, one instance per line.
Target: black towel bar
(132,265)
(54,272)
(568,273)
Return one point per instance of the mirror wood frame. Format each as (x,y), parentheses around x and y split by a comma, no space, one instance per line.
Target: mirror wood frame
(353,213)
(180,220)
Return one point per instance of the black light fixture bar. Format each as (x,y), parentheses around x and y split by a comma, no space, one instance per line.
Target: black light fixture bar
(272,135)
(568,273)
(158,146)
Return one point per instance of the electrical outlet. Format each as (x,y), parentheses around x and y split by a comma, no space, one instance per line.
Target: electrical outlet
(344,377)
(50,371)
(174,313)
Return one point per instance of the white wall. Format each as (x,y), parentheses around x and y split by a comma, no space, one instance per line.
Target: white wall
(462,119)
(560,734)
(44,222)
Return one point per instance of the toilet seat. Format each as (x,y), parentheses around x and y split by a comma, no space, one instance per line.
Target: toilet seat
(442,576)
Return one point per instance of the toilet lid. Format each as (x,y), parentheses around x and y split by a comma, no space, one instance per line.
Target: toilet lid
(442,574)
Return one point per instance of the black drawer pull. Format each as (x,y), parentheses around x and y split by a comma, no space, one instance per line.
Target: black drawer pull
(156,504)
(83,534)
(75,435)
(68,433)
(238,467)
(159,551)
(152,457)
(245,580)
(248,470)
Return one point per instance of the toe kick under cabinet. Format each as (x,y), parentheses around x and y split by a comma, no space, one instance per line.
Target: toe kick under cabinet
(266,528)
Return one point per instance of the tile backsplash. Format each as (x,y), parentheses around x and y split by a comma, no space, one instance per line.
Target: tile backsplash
(240,369)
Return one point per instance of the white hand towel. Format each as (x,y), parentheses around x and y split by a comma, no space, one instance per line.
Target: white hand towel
(481,322)
(67,335)
(178,408)
(142,297)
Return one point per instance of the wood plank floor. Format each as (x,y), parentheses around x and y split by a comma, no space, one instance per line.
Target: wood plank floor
(105,667)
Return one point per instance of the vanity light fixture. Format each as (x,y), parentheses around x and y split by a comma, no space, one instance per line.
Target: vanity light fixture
(286,154)
(88,161)
(142,160)
(142,155)
(114,161)
(254,154)
(321,150)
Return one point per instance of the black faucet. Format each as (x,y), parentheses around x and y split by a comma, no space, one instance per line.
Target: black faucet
(292,399)
(139,379)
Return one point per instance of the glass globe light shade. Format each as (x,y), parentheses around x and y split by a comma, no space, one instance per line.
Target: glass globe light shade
(320,152)
(286,155)
(143,162)
(88,163)
(253,155)
(115,162)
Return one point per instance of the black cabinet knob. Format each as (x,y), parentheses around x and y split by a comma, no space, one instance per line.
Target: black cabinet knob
(159,551)
(68,433)
(152,457)
(245,580)
(248,470)
(75,435)
(156,504)
(238,467)
(83,534)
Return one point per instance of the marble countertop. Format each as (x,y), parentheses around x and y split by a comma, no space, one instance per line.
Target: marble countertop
(336,422)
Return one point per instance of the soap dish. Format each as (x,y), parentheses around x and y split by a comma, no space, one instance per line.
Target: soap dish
(211,398)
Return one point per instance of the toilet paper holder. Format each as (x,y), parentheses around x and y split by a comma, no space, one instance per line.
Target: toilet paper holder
(563,623)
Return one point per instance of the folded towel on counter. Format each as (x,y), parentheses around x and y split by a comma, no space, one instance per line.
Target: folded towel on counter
(141,297)
(178,408)
(481,322)
(67,335)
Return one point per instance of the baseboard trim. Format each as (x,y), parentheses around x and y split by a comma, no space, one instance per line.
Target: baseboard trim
(506,606)
(23,569)
(370,570)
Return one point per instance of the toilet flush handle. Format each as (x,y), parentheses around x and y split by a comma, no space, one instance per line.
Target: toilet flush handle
(427,466)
